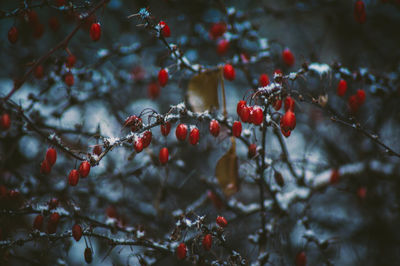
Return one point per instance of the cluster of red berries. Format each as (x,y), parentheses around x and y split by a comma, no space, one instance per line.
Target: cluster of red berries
(52,222)
(5,121)
(181,250)
(356,100)
(288,120)
(250,114)
(74,175)
(49,160)
(181,133)
(143,141)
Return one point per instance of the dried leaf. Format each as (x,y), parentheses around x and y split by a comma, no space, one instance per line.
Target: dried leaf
(323,100)
(203,91)
(227,171)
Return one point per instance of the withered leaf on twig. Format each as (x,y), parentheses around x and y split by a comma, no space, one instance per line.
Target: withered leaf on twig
(227,171)
(203,91)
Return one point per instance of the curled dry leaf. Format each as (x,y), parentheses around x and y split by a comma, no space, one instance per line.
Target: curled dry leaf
(323,100)
(203,91)
(227,171)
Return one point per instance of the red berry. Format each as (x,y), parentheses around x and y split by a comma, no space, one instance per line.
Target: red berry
(38,30)
(194,136)
(229,72)
(38,72)
(222,47)
(215,199)
(147,136)
(361,96)
(278,104)
(239,107)
(245,114)
(53,223)
(334,176)
(153,90)
(71,59)
(288,57)
(84,169)
(163,156)
(138,145)
(69,79)
(5,121)
(237,129)
(221,221)
(181,251)
(279,179)
(54,23)
(97,149)
(13,35)
(164,29)
(341,88)
(207,242)
(181,132)
(263,80)
(73,177)
(301,259)
(252,150)
(111,212)
(354,103)
(33,17)
(77,232)
(256,115)
(51,156)
(288,123)
(214,128)
(289,104)
(38,222)
(362,193)
(163,77)
(88,255)
(359,12)
(165,128)
(95,31)
(45,167)
(217,30)
(53,203)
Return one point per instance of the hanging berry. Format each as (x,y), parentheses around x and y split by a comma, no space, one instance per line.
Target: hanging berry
(147,137)
(214,128)
(84,169)
(263,80)
(38,222)
(288,57)
(334,178)
(181,251)
(13,35)
(38,30)
(279,179)
(245,113)
(289,104)
(277,104)
(97,149)
(354,104)
(221,221)
(5,121)
(73,177)
(77,232)
(362,193)
(288,123)
(71,60)
(237,129)
(138,145)
(69,79)
(181,132)
(256,115)
(38,72)
(53,203)
(45,167)
(88,255)
(163,156)
(51,156)
(252,150)
(361,96)
(194,136)
(95,31)
(301,259)
(54,24)
(207,242)
(341,88)
(217,30)
(229,72)
(165,128)
(53,223)
(359,12)
(164,29)
(222,47)
(153,90)
(163,77)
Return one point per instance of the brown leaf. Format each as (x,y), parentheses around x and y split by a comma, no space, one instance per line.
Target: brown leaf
(323,100)
(203,91)
(227,171)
